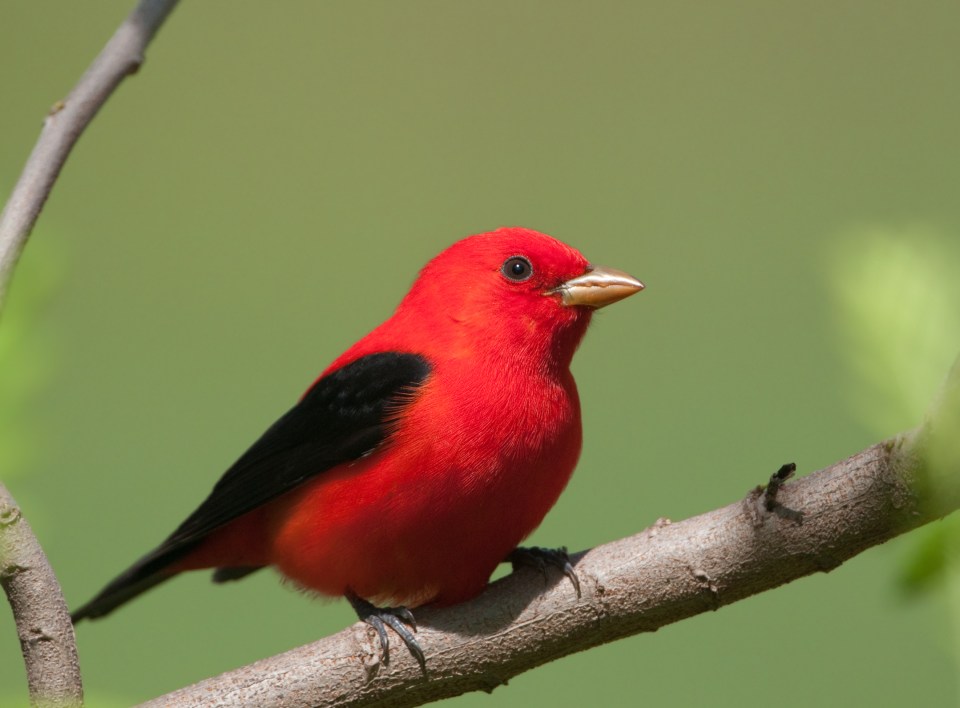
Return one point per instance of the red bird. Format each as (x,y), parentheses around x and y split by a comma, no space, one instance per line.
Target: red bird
(423,455)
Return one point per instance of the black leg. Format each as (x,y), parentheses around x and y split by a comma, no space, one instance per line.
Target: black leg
(542,558)
(400,619)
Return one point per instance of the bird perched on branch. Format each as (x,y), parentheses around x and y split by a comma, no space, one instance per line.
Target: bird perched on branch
(423,455)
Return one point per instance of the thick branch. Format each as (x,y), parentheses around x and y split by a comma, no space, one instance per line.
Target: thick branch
(43,621)
(121,56)
(667,573)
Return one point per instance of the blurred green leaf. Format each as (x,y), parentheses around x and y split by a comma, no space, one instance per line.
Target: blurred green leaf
(927,564)
(26,358)
(898,314)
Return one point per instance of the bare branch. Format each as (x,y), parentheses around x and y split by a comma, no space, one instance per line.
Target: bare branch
(667,573)
(121,56)
(43,621)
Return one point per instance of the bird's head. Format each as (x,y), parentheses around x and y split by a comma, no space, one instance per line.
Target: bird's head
(516,290)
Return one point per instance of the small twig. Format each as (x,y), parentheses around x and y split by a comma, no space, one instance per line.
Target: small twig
(773,486)
(43,621)
(68,118)
(767,497)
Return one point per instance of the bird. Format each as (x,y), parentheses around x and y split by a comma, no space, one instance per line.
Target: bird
(422,456)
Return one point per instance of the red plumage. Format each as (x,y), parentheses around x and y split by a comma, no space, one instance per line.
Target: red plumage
(470,455)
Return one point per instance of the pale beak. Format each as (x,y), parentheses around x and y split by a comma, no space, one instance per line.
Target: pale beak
(598,287)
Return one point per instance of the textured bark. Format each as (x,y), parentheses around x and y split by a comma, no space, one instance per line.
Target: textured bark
(43,621)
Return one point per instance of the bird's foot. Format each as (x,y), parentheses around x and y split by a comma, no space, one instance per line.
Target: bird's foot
(542,558)
(400,619)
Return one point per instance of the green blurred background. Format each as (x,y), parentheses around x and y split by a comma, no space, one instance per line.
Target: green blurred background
(783,176)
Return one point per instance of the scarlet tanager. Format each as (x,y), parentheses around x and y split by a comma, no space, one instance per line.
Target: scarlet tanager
(423,455)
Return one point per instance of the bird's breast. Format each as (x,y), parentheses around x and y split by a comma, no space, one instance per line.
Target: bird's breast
(473,464)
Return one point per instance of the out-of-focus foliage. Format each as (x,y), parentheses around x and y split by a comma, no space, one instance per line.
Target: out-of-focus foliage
(935,552)
(26,356)
(898,314)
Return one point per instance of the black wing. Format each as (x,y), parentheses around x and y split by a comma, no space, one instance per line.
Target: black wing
(344,416)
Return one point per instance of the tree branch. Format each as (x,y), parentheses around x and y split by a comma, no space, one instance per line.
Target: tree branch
(43,621)
(121,56)
(667,573)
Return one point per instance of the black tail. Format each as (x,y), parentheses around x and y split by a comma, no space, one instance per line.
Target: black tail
(150,570)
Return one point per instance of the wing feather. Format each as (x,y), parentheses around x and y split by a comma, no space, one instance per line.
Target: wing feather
(345,415)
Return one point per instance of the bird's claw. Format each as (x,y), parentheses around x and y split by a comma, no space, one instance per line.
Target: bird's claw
(399,619)
(542,558)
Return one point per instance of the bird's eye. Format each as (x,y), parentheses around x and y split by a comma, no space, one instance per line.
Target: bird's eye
(517,268)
